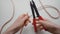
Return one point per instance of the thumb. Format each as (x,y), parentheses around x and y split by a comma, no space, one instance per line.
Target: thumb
(44,23)
(26,18)
(41,22)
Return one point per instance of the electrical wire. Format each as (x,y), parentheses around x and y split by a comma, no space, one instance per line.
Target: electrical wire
(10,18)
(48,6)
(43,7)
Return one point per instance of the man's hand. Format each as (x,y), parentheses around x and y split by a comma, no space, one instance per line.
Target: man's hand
(53,28)
(15,27)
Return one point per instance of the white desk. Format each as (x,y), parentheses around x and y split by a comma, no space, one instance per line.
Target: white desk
(22,6)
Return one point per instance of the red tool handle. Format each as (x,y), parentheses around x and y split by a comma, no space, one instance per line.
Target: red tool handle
(34,23)
(41,18)
(41,24)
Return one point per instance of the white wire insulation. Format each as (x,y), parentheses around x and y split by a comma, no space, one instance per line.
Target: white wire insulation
(10,18)
(48,6)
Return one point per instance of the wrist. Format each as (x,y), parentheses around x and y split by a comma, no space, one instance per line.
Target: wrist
(57,30)
(10,31)
(7,32)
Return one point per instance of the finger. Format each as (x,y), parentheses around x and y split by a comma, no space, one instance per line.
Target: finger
(21,16)
(25,18)
(39,27)
(26,23)
(41,22)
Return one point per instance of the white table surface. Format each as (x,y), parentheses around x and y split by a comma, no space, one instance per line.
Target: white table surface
(22,6)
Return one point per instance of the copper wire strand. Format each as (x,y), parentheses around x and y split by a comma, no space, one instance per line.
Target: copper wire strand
(43,7)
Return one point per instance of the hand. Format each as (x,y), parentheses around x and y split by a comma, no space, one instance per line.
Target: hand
(15,27)
(53,28)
